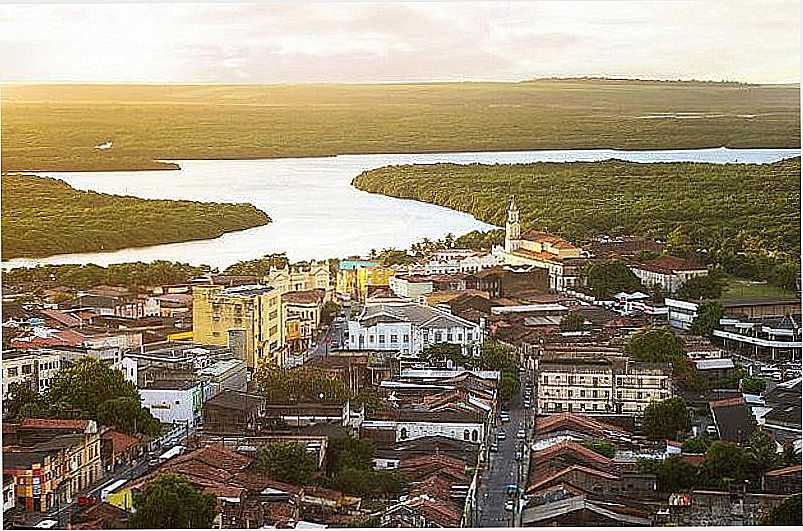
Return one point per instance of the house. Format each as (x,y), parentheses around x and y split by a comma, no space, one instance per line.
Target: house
(448,261)
(302,317)
(9,494)
(114,302)
(119,449)
(786,480)
(420,512)
(52,461)
(409,327)
(711,508)
(714,371)
(667,273)
(99,516)
(411,286)
(565,507)
(561,259)
(389,454)
(233,412)
(247,319)
(358,279)
(733,419)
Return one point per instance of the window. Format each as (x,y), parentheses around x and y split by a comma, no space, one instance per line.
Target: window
(594,393)
(12,371)
(394,338)
(460,337)
(27,369)
(406,338)
(474,435)
(370,339)
(582,393)
(465,435)
(381,339)
(449,337)
(571,393)
(403,434)
(438,337)
(546,379)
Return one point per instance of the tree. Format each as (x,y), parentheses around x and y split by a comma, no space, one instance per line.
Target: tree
(348,452)
(172,502)
(697,445)
(790,455)
(787,513)
(573,322)
(87,383)
(656,344)
(673,474)
(726,462)
(368,483)
(709,286)
(754,386)
(259,267)
(442,353)
(298,384)
(508,387)
(601,447)
(708,316)
(20,394)
(329,311)
(607,278)
(287,462)
(667,419)
(128,416)
(763,452)
(679,242)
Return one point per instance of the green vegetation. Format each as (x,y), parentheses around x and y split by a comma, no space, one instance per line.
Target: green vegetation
(89,389)
(661,345)
(56,127)
(740,288)
(754,386)
(606,279)
(667,419)
(134,275)
(602,447)
(697,445)
(573,322)
(287,462)
(708,316)
(299,384)
(708,287)
(258,267)
(724,463)
(172,502)
(351,470)
(43,217)
(747,216)
(790,512)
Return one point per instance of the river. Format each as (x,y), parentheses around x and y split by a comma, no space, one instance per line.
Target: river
(316,212)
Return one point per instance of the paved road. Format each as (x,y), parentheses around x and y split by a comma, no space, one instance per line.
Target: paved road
(503,470)
(333,336)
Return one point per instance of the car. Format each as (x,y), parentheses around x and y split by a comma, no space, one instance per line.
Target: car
(501,435)
(519,455)
(521,434)
(504,417)
(512,489)
(509,505)
(527,403)
(494,447)
(711,430)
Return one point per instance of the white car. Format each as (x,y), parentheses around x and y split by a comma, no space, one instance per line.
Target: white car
(501,435)
(509,505)
(521,434)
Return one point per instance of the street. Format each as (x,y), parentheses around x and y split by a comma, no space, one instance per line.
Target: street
(503,469)
(333,336)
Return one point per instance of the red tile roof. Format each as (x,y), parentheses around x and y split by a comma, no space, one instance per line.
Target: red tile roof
(728,402)
(574,448)
(582,423)
(54,424)
(563,472)
(784,471)
(668,265)
(120,441)
(61,317)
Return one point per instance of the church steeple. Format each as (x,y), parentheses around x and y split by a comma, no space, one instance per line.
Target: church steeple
(512,227)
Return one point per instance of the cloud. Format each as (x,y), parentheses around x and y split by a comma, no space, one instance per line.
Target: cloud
(386,42)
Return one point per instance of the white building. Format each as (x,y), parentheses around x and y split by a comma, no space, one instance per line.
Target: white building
(37,367)
(411,286)
(680,314)
(668,273)
(409,327)
(460,261)
(173,401)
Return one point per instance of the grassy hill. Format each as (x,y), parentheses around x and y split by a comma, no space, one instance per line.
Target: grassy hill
(726,208)
(43,217)
(55,127)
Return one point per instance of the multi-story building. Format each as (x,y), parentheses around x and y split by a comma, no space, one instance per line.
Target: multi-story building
(563,260)
(52,461)
(598,385)
(36,367)
(174,401)
(303,276)
(302,317)
(120,304)
(358,278)
(409,327)
(668,273)
(411,286)
(248,319)
(640,383)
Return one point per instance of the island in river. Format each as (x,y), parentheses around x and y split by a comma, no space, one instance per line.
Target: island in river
(43,216)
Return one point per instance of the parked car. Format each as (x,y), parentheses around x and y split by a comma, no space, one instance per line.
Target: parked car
(711,431)
(504,417)
(509,505)
(494,447)
(521,434)
(501,435)
(512,489)
(519,455)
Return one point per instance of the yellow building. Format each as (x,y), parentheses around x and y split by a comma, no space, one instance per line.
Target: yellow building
(356,278)
(301,276)
(248,319)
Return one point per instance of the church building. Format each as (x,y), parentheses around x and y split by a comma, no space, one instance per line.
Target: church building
(561,258)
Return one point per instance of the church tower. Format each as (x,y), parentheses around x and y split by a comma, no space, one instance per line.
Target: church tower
(512,227)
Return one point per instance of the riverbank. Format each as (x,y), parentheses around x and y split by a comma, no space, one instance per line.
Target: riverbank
(56,127)
(44,217)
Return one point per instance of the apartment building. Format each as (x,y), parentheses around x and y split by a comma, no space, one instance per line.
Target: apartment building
(302,317)
(247,319)
(303,276)
(600,385)
(37,368)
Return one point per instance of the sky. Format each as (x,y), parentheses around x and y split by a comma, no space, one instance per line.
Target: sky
(360,42)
